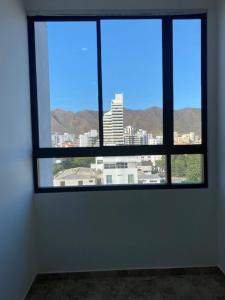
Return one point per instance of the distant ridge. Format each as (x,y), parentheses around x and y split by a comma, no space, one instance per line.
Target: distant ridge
(186,120)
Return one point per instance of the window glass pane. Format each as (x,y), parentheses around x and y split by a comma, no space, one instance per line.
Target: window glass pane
(187,81)
(130,178)
(98,171)
(132,82)
(66,63)
(108,179)
(187,168)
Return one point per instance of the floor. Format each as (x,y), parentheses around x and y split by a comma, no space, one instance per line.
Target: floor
(180,286)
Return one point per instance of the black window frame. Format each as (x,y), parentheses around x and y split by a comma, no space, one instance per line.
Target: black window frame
(168,148)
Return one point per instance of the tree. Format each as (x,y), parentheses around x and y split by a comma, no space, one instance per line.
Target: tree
(179,165)
(187,166)
(76,162)
(194,171)
(161,164)
(57,168)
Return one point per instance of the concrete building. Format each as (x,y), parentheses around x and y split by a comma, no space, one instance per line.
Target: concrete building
(127,170)
(113,123)
(59,139)
(144,178)
(117,170)
(133,136)
(75,177)
(120,171)
(89,139)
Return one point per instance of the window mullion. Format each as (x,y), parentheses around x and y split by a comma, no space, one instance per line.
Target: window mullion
(99,66)
(204,79)
(204,92)
(33,84)
(167,36)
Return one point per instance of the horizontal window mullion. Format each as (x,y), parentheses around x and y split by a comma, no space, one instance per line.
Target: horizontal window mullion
(189,16)
(100,151)
(118,151)
(121,187)
(64,18)
(187,149)
(142,16)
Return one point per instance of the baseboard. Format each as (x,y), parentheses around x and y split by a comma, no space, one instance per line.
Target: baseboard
(126,273)
(46,277)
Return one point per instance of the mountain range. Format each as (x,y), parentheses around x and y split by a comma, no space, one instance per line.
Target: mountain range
(185,120)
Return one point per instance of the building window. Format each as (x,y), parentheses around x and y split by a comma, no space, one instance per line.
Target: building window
(119,101)
(130,178)
(109,166)
(109,179)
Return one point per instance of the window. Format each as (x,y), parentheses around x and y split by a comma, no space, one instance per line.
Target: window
(109,179)
(130,178)
(118,102)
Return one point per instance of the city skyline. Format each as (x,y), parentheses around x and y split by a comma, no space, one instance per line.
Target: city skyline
(116,134)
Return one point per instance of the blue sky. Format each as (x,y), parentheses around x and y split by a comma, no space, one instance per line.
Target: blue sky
(131,63)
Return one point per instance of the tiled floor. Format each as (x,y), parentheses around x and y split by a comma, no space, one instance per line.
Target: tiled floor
(186,286)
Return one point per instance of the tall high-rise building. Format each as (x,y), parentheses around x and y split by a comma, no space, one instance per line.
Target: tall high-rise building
(113,123)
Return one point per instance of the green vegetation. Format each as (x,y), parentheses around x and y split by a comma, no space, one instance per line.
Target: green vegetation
(188,167)
(161,164)
(71,162)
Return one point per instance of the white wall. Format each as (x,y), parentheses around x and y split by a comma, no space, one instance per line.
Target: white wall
(131,229)
(221,134)
(125,230)
(17,261)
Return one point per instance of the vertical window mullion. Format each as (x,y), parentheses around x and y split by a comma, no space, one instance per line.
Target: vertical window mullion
(100,100)
(168,169)
(167,36)
(34,100)
(204,78)
(33,85)
(204,93)
(35,174)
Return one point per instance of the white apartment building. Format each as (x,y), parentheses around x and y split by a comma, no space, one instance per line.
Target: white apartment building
(151,158)
(117,170)
(144,178)
(129,136)
(58,139)
(113,123)
(88,139)
(133,136)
